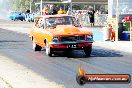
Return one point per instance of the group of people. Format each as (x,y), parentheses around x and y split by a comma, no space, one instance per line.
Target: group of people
(90,12)
(51,10)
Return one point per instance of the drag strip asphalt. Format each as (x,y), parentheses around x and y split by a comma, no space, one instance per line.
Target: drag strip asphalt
(62,69)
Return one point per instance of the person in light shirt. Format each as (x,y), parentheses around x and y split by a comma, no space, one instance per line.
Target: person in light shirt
(46,10)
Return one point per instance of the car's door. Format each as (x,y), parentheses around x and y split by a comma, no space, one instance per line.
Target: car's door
(42,32)
(36,31)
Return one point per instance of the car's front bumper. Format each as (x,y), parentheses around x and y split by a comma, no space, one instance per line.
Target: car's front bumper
(70,45)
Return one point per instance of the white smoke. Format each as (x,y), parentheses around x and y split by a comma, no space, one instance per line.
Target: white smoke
(0,1)
(4,9)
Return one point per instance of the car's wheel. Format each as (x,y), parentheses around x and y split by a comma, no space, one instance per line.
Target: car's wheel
(21,19)
(36,47)
(88,50)
(14,19)
(49,50)
(32,20)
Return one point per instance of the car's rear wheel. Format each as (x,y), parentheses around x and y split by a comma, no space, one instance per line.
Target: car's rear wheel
(36,47)
(88,50)
(14,19)
(49,50)
(21,19)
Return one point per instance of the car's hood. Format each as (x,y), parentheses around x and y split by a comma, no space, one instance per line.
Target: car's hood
(66,30)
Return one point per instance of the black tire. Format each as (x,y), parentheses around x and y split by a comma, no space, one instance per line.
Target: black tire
(36,47)
(88,50)
(21,19)
(14,19)
(32,20)
(49,50)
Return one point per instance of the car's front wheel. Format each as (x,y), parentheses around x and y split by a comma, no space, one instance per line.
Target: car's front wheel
(88,50)
(49,50)
(14,19)
(22,19)
(36,47)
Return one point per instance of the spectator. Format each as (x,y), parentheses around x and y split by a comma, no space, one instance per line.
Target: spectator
(98,17)
(52,10)
(61,11)
(91,13)
(45,10)
(79,16)
(110,31)
(113,33)
(69,12)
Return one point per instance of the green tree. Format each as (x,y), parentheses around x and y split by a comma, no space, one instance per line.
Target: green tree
(22,5)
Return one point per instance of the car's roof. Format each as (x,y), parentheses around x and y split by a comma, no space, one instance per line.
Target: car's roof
(57,15)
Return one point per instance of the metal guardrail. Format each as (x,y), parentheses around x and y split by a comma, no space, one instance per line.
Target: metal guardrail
(100,20)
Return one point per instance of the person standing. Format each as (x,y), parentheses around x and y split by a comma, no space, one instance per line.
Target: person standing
(113,33)
(45,10)
(61,11)
(52,10)
(91,13)
(98,17)
(79,16)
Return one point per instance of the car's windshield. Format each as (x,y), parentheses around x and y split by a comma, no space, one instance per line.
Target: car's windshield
(65,20)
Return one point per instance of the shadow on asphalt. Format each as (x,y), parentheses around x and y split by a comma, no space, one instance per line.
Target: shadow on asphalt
(105,53)
(96,52)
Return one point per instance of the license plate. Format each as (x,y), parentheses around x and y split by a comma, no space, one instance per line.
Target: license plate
(72,46)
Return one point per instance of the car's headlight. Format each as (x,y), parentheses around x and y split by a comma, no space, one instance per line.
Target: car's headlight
(89,37)
(55,39)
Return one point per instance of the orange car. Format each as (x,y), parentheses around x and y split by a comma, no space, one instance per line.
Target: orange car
(60,33)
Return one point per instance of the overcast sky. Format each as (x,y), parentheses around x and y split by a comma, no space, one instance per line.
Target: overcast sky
(1,1)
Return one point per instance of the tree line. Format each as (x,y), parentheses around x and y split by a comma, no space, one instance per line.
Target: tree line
(22,5)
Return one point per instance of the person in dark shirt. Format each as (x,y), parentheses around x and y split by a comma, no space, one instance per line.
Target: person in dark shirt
(91,13)
(52,10)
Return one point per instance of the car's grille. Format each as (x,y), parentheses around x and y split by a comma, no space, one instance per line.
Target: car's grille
(72,38)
